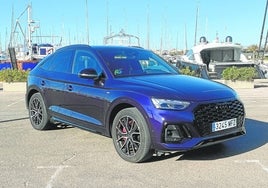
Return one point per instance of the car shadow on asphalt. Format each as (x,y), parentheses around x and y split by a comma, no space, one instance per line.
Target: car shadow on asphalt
(55,126)
(256,136)
(15,119)
(59,126)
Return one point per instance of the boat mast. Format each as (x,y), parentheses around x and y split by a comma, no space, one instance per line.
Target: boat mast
(107,19)
(0,44)
(263,24)
(148,27)
(30,30)
(12,26)
(196,23)
(87,27)
(185,38)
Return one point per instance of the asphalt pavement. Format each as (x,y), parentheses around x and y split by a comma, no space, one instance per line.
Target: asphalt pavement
(71,157)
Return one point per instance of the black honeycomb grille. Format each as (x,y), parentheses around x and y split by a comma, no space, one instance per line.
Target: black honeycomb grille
(206,114)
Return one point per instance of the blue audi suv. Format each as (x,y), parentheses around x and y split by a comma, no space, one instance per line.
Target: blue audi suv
(133,96)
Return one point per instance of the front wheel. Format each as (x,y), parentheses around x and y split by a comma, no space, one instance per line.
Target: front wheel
(131,136)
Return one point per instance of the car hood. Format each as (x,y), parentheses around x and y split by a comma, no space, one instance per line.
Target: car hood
(179,87)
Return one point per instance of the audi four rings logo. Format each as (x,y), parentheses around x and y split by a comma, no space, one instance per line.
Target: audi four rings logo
(223,107)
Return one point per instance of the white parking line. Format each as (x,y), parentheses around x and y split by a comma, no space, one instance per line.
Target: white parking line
(15,102)
(253,161)
(56,173)
(58,170)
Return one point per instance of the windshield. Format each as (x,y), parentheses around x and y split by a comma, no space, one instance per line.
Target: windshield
(125,62)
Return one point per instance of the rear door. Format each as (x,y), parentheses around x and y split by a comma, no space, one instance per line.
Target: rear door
(55,71)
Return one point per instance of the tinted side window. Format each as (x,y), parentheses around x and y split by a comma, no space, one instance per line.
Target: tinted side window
(62,61)
(46,62)
(85,60)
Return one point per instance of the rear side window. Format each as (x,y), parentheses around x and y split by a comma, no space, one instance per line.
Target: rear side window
(46,62)
(59,62)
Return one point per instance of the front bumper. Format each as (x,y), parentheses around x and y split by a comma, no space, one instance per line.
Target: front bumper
(198,142)
(191,129)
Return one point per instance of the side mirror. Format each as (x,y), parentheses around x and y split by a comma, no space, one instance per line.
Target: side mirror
(88,73)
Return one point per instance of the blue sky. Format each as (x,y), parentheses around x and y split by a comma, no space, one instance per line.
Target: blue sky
(168,20)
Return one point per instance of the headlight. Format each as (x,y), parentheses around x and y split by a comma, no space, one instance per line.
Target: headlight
(168,104)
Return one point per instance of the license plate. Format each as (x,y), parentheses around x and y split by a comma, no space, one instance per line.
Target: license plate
(222,125)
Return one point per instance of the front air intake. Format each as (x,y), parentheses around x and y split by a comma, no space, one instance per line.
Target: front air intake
(206,114)
(176,133)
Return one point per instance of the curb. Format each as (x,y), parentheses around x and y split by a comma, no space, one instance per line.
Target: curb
(15,86)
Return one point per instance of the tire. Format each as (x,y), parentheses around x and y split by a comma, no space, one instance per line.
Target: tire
(131,136)
(39,117)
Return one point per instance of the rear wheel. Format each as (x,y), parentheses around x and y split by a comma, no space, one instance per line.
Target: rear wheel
(38,113)
(131,136)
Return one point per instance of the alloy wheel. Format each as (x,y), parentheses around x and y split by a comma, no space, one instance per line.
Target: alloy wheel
(128,136)
(36,112)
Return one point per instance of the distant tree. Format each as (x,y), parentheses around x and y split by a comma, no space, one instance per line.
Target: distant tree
(252,48)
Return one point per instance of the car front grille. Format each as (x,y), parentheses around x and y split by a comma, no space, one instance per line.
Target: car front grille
(206,114)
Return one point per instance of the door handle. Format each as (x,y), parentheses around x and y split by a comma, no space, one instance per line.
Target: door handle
(69,87)
(42,83)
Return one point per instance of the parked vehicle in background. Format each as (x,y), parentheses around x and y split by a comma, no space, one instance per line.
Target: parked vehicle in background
(133,96)
(3,57)
(264,68)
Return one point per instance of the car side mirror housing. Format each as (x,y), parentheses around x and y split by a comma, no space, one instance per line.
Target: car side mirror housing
(88,73)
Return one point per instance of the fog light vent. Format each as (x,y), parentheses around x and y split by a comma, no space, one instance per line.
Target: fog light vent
(175,133)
